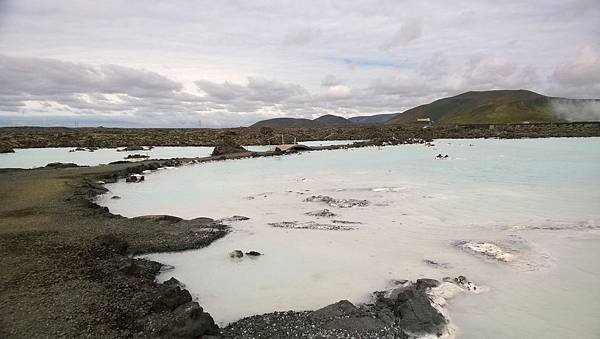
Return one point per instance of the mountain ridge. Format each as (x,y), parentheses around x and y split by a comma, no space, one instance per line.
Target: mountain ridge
(472,107)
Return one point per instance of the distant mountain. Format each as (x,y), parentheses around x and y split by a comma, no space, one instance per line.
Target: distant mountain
(285,122)
(373,119)
(501,106)
(323,121)
(332,120)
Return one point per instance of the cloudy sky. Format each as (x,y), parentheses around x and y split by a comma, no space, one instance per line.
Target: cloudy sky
(231,63)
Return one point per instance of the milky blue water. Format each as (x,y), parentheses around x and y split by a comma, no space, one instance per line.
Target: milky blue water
(39,157)
(537,199)
(264,148)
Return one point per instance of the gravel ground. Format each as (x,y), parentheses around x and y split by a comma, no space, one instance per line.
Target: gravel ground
(66,263)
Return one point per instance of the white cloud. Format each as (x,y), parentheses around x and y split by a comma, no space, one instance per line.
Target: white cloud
(339,92)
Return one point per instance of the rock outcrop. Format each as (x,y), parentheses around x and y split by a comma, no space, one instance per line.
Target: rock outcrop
(407,311)
(228,146)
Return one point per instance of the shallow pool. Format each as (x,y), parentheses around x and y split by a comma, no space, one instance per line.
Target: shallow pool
(39,157)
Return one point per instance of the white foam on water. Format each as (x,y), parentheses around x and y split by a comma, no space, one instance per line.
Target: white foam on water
(479,199)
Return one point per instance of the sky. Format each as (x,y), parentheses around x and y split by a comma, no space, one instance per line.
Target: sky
(150,63)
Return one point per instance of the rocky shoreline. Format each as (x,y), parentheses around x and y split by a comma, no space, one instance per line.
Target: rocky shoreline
(68,269)
(30,137)
(71,272)
(409,310)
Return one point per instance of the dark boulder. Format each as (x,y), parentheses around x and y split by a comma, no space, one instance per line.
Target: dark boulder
(192,322)
(342,308)
(426,283)
(253,253)
(236,254)
(134,178)
(415,313)
(61,165)
(131,149)
(6,149)
(173,282)
(170,298)
(228,146)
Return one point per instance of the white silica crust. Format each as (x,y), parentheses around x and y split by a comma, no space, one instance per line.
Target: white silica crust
(491,250)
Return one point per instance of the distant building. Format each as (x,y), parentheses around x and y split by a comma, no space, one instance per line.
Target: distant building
(424,121)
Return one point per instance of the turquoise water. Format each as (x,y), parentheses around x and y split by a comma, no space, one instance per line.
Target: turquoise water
(538,199)
(39,157)
(264,148)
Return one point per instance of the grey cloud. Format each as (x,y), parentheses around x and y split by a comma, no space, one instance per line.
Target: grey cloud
(576,8)
(410,30)
(300,37)
(258,89)
(331,80)
(38,76)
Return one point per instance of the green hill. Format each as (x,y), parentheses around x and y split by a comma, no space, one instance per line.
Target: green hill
(323,121)
(502,106)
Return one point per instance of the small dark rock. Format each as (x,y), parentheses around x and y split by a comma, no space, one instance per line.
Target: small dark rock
(236,254)
(322,213)
(253,253)
(436,264)
(137,156)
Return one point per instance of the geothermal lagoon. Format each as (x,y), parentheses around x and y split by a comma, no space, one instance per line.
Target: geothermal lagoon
(39,157)
(519,218)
